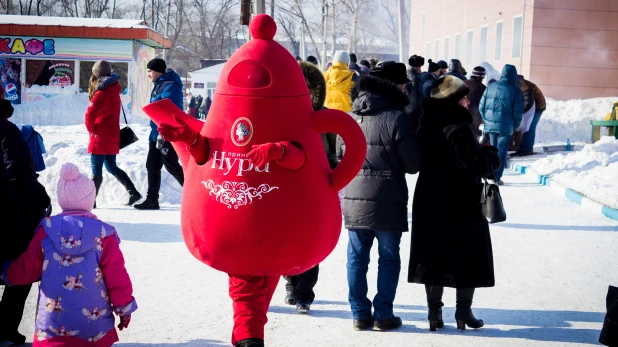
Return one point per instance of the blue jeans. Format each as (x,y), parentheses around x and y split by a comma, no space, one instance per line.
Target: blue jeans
(389,266)
(527,142)
(97,161)
(502,142)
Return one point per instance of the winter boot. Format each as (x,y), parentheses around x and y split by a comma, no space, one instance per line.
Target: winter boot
(250,343)
(434,303)
(362,324)
(387,324)
(148,204)
(463,314)
(303,308)
(98,180)
(134,195)
(290,298)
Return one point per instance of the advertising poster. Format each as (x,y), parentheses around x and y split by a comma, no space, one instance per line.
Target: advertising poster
(53,73)
(10,72)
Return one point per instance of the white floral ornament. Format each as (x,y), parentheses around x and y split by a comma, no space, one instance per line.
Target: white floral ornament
(236,194)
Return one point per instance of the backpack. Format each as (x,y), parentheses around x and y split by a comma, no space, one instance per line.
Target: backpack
(37,147)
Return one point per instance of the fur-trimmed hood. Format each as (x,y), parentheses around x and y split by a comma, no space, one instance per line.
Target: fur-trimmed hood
(373,94)
(316,84)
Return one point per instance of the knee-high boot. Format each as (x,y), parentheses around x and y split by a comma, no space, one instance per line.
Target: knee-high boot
(463,314)
(123,178)
(98,180)
(434,303)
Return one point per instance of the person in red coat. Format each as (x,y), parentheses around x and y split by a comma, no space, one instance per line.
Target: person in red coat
(103,124)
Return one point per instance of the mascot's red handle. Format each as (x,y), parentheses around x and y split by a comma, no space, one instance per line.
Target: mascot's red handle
(333,121)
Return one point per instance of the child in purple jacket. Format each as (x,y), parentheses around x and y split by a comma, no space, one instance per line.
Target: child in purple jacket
(83,278)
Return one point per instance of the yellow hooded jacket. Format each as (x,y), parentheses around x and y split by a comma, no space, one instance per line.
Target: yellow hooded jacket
(339,87)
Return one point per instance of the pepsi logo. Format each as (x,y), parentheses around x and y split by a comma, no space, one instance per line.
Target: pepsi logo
(11,89)
(242,131)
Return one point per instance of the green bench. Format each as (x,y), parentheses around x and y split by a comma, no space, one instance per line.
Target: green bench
(596,128)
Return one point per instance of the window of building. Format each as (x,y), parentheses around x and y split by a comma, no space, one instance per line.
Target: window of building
(428,50)
(423,24)
(469,46)
(499,27)
(457,46)
(447,48)
(437,56)
(518,28)
(483,45)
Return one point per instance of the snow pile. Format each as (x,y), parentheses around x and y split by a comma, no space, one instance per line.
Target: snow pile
(70,144)
(571,119)
(592,171)
(60,110)
(36,89)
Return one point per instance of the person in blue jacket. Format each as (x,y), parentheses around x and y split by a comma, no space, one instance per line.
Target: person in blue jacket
(167,85)
(501,107)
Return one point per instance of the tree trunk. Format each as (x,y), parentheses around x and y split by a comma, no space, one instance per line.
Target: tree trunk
(272,8)
(334,45)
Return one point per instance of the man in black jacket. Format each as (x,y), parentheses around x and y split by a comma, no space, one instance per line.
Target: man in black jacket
(412,88)
(376,201)
(23,203)
(427,80)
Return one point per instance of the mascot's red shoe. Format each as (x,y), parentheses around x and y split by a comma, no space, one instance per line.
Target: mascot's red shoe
(280,216)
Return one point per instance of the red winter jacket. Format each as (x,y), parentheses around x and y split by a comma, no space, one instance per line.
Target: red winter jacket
(103,118)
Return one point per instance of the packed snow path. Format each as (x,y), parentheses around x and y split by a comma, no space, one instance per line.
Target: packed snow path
(553,263)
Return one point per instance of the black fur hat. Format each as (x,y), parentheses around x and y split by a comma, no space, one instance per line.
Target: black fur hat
(6,109)
(316,84)
(416,61)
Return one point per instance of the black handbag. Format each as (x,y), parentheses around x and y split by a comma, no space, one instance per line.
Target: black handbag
(491,201)
(609,334)
(127,136)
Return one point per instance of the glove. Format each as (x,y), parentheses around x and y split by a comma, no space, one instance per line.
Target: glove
(124,322)
(178,133)
(261,155)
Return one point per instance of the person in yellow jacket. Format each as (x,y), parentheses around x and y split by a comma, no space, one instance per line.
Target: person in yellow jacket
(339,83)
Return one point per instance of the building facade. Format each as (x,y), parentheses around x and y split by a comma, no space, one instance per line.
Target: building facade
(567,47)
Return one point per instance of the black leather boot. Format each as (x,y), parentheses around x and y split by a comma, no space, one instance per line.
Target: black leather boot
(98,180)
(463,314)
(134,195)
(250,343)
(434,303)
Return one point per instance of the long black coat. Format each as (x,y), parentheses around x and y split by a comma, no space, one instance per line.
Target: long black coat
(377,198)
(23,199)
(414,94)
(451,245)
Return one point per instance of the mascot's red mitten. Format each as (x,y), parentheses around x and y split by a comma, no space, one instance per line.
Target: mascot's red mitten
(256,177)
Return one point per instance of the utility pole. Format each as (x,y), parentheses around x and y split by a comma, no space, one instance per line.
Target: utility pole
(334,27)
(324,30)
(259,6)
(167,25)
(303,53)
(402,25)
(272,8)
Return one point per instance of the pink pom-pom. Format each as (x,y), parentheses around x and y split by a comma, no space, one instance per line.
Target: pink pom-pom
(69,172)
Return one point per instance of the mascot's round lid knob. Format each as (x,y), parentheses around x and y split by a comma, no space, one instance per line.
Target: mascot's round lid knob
(263,27)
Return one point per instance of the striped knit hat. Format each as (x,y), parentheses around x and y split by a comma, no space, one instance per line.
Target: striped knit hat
(478,72)
(75,191)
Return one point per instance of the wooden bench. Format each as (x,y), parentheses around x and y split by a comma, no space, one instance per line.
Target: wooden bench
(612,125)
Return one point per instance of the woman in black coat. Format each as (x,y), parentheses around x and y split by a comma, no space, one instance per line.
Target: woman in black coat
(23,202)
(451,246)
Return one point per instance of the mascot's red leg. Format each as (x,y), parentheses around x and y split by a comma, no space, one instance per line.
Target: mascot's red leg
(251,298)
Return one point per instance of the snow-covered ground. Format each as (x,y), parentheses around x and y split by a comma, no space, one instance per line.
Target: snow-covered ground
(553,263)
(592,171)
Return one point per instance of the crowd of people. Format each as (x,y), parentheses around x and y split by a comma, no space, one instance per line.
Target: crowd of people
(415,122)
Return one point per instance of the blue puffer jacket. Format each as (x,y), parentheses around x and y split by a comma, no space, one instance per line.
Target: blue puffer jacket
(502,103)
(168,86)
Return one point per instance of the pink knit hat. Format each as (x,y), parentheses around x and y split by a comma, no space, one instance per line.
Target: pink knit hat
(75,191)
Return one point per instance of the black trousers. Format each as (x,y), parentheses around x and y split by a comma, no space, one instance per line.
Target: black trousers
(302,285)
(157,158)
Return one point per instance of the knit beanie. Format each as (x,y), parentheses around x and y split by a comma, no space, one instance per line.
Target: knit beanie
(75,191)
(6,109)
(102,68)
(416,61)
(158,65)
(433,67)
(442,64)
(449,88)
(479,72)
(341,57)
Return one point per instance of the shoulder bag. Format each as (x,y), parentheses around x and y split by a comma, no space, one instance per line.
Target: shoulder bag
(491,201)
(127,136)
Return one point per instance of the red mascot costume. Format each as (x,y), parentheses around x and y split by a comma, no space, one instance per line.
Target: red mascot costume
(257,179)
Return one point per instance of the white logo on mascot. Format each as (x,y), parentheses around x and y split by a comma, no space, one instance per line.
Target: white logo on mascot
(242,131)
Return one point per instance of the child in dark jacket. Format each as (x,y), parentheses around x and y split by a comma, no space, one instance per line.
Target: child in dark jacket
(83,278)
